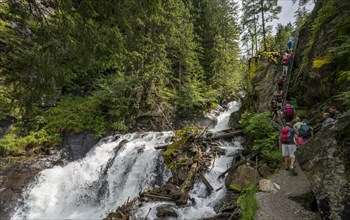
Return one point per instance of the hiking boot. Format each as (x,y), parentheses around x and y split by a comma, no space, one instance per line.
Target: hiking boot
(287,168)
(292,171)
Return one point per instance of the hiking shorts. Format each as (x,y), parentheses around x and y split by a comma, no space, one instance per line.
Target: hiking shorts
(288,150)
(285,68)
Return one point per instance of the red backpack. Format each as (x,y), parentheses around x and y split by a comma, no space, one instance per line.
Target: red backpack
(288,111)
(286,137)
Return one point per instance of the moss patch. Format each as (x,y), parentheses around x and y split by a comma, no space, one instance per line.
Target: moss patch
(247,202)
(181,141)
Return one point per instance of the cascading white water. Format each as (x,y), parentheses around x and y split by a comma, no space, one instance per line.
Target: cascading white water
(222,118)
(203,206)
(100,182)
(112,172)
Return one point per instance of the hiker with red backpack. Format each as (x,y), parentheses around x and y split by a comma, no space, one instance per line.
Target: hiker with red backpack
(280,79)
(288,112)
(285,63)
(286,142)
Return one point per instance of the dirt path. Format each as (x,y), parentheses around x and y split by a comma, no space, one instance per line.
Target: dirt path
(278,205)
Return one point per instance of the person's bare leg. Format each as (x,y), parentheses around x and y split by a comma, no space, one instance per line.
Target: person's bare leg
(292,161)
(286,161)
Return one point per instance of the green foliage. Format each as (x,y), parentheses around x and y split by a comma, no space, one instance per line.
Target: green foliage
(247,202)
(102,60)
(263,134)
(236,187)
(76,114)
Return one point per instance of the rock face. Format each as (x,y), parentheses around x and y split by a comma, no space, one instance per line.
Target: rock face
(5,124)
(326,161)
(310,85)
(263,73)
(77,145)
(15,175)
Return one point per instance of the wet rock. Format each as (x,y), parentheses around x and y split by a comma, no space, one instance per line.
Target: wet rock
(77,145)
(235,117)
(266,185)
(217,149)
(264,170)
(325,161)
(240,176)
(166,211)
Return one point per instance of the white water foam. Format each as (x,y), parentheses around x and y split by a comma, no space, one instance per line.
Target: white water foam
(222,118)
(97,184)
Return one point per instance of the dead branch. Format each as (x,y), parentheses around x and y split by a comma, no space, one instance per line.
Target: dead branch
(206,183)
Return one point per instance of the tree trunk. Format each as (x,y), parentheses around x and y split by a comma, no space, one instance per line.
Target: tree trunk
(263,22)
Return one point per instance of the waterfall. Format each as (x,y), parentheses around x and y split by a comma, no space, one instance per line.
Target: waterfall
(89,188)
(118,168)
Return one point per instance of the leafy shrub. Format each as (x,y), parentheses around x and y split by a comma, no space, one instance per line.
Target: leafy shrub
(264,136)
(76,114)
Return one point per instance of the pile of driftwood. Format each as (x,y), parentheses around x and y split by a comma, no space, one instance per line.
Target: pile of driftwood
(190,161)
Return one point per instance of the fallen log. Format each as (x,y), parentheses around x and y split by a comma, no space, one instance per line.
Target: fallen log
(156,196)
(187,185)
(161,147)
(228,135)
(206,183)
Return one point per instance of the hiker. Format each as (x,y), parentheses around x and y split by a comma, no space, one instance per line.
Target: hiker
(304,133)
(290,44)
(296,123)
(288,112)
(280,79)
(334,113)
(285,63)
(327,119)
(274,108)
(278,93)
(286,142)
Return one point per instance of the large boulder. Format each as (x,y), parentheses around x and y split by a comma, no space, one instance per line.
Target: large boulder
(240,177)
(326,162)
(166,211)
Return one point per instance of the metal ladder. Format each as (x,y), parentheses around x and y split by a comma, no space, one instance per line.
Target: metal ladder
(289,73)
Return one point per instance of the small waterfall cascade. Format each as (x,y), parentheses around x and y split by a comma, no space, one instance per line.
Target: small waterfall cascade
(117,168)
(90,188)
(203,205)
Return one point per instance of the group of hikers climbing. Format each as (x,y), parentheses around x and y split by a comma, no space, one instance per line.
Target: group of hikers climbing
(294,132)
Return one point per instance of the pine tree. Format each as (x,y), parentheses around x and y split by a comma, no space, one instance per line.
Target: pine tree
(250,23)
(268,10)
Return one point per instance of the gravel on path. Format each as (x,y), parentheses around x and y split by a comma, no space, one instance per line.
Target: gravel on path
(277,205)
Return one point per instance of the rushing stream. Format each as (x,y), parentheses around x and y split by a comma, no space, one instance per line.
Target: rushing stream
(118,168)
